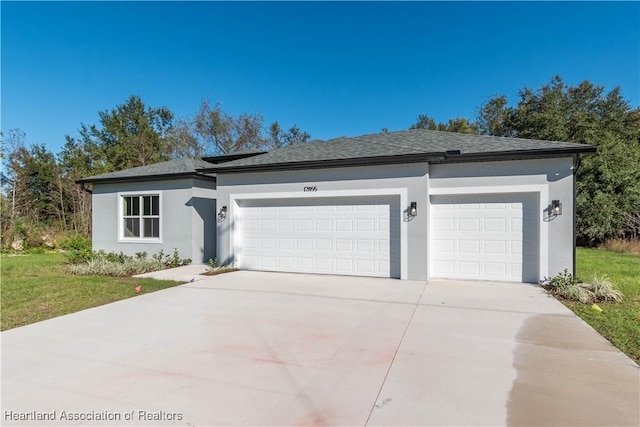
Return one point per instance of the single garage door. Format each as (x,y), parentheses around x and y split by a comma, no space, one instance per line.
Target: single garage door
(354,236)
(485,237)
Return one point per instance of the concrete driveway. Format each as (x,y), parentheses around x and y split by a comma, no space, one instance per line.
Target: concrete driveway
(251,348)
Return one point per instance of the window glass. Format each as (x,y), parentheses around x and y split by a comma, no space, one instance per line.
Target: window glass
(151,227)
(131,227)
(127,205)
(146,205)
(155,205)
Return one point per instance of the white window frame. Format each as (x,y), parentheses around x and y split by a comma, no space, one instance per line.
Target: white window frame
(121,236)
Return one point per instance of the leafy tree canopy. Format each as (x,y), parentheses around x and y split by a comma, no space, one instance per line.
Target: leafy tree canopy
(608,187)
(129,135)
(458,125)
(222,133)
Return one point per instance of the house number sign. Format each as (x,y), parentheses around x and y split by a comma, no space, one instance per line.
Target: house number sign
(310,188)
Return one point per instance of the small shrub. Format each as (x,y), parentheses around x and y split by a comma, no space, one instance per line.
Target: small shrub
(213,263)
(604,290)
(78,249)
(574,292)
(76,243)
(104,265)
(563,279)
(118,257)
(566,285)
(119,264)
(174,260)
(158,257)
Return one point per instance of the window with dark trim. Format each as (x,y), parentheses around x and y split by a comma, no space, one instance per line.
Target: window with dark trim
(141,216)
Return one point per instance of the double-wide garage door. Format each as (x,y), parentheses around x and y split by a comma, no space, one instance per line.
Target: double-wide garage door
(486,237)
(357,236)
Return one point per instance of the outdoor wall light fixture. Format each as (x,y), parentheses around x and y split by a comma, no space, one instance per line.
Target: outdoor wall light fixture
(556,207)
(223,213)
(413,209)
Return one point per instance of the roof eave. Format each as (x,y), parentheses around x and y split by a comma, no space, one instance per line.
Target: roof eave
(230,157)
(436,157)
(158,177)
(319,164)
(519,154)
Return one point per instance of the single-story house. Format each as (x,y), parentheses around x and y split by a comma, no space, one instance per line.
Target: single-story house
(414,204)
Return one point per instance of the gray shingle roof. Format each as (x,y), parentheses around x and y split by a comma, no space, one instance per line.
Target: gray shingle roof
(174,167)
(402,143)
(389,147)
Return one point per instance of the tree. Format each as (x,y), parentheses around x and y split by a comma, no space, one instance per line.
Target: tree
(183,140)
(459,125)
(222,133)
(495,118)
(76,161)
(33,190)
(279,138)
(12,144)
(608,186)
(424,122)
(129,135)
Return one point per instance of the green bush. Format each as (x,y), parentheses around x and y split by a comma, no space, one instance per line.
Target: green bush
(119,264)
(565,285)
(103,266)
(604,290)
(171,261)
(174,260)
(29,233)
(78,249)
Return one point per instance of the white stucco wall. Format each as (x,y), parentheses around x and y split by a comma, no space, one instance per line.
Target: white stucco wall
(187,214)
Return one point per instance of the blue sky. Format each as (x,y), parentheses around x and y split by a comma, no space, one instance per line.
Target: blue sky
(332,68)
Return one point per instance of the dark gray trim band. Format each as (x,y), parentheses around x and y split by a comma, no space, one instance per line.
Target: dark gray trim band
(434,158)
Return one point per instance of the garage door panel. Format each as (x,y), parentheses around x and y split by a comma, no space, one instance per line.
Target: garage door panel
(495,224)
(484,237)
(498,247)
(286,244)
(468,225)
(384,246)
(320,236)
(443,224)
(469,268)
(516,270)
(495,269)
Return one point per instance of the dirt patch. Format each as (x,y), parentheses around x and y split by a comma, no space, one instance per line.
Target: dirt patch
(568,375)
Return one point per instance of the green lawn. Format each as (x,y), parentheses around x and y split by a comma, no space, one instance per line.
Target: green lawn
(37,287)
(618,322)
